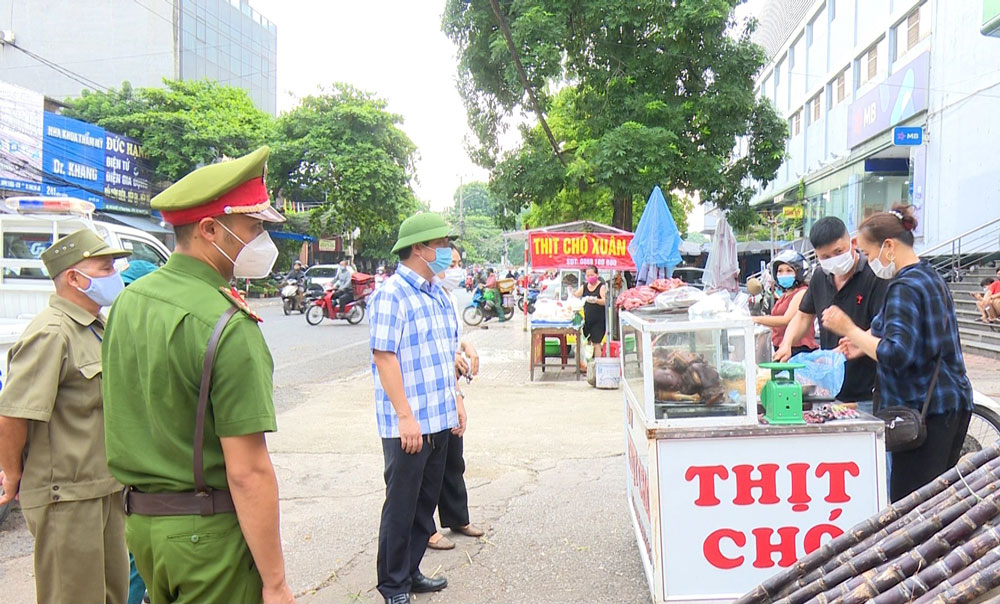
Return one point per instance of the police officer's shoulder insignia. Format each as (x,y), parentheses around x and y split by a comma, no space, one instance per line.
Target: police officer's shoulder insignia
(234,296)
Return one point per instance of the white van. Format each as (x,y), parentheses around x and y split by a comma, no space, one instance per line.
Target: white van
(29,225)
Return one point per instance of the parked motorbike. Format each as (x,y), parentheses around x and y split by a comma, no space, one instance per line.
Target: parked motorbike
(480,310)
(532,297)
(293,295)
(326,306)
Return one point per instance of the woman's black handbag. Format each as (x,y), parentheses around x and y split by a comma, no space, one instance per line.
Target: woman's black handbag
(905,428)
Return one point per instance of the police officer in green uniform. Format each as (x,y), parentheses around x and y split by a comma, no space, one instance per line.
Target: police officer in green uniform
(52,431)
(188,399)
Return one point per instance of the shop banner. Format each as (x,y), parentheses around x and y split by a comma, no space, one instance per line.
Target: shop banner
(734,511)
(20,139)
(73,154)
(126,177)
(901,96)
(580,250)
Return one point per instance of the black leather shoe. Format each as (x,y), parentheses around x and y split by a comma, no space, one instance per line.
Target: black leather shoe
(423,585)
(398,599)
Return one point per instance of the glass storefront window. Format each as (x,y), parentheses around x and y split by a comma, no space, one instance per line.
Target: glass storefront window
(880,192)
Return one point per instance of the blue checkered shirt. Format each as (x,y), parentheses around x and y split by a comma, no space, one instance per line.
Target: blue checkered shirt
(916,325)
(415,320)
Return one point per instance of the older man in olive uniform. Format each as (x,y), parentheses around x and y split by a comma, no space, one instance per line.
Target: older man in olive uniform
(189,384)
(52,431)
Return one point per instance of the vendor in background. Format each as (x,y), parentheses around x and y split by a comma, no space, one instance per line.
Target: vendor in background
(788,270)
(848,283)
(594,293)
(914,332)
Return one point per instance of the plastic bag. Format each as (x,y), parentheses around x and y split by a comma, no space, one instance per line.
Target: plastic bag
(681,297)
(824,368)
(711,306)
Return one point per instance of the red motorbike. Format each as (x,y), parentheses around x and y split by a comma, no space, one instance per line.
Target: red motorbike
(353,312)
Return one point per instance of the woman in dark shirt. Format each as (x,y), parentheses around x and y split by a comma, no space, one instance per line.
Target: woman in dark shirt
(916,327)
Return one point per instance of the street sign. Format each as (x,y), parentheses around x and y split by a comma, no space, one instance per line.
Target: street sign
(908,136)
(792,212)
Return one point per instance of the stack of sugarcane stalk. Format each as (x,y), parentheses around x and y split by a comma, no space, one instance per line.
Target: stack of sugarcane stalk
(939,545)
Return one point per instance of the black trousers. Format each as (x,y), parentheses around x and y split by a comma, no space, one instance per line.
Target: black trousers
(412,488)
(453,504)
(344,297)
(939,453)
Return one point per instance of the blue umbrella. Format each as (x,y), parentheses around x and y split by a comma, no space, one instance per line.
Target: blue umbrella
(655,248)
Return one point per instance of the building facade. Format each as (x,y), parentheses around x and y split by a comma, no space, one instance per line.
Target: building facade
(846,73)
(69,45)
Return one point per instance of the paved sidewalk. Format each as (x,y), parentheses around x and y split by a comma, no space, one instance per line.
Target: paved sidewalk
(546,475)
(984,373)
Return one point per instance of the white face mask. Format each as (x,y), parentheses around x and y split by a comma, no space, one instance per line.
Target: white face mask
(256,258)
(451,278)
(882,271)
(839,265)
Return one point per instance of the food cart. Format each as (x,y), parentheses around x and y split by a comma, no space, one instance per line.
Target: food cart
(572,247)
(719,500)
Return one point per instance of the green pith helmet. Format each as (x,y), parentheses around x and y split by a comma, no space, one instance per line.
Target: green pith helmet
(75,247)
(421,228)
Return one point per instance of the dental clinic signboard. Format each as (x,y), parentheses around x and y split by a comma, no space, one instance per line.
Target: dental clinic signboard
(901,96)
(126,178)
(73,158)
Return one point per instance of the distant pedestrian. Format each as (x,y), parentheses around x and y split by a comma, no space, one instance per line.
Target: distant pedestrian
(52,431)
(916,343)
(188,399)
(414,334)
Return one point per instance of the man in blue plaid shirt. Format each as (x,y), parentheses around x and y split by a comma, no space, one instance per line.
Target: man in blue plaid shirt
(414,336)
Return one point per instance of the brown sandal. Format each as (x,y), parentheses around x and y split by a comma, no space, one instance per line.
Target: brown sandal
(469,530)
(441,543)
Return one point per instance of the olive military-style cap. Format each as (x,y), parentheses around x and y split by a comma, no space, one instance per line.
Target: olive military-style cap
(421,228)
(75,247)
(230,187)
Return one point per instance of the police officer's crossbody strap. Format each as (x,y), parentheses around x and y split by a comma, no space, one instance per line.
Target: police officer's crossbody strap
(206,385)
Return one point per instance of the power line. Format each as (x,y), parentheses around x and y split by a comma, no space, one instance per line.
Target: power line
(87,82)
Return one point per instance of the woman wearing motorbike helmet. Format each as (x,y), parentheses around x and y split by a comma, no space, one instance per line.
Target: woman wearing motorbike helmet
(788,271)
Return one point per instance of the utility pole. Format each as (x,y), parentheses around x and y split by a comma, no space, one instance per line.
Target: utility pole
(461,206)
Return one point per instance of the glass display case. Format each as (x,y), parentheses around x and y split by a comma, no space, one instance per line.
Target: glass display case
(692,373)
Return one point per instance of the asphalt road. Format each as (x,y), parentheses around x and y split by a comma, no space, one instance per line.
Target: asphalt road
(306,354)
(311,354)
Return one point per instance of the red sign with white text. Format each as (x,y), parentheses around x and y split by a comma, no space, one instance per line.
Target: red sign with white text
(580,250)
(734,511)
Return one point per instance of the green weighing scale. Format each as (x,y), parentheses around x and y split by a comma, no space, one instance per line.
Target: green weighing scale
(782,395)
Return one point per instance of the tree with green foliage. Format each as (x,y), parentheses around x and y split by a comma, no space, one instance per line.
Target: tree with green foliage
(343,149)
(628,95)
(481,238)
(182,125)
(476,198)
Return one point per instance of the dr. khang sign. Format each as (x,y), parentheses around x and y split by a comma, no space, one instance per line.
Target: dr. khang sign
(580,250)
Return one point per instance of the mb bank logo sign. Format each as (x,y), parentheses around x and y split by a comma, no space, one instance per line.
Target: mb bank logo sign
(898,98)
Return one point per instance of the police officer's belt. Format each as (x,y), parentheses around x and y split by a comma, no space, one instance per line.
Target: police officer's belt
(205,500)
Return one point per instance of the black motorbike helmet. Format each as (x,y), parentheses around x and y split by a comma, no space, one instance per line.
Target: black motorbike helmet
(793,259)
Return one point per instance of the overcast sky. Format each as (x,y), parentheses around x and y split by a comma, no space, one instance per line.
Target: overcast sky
(393,48)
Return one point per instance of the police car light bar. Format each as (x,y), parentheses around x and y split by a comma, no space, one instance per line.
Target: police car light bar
(60,205)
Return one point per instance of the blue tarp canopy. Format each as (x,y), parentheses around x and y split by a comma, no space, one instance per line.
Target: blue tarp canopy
(657,241)
(292,236)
